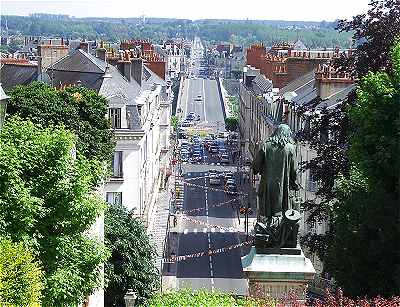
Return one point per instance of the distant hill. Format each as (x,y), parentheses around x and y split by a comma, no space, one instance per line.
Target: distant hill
(242,32)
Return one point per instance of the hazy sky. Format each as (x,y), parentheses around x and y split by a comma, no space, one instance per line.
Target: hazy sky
(230,9)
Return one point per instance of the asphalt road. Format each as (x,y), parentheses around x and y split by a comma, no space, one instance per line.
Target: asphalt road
(209,215)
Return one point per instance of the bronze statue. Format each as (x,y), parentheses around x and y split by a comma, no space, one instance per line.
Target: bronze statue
(276,163)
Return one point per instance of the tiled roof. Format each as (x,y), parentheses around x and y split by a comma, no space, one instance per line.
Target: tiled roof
(304,87)
(150,78)
(336,98)
(80,61)
(80,67)
(118,86)
(298,82)
(12,75)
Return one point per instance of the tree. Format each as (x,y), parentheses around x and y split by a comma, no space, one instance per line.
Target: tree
(47,200)
(174,121)
(79,109)
(366,213)
(21,281)
(374,34)
(131,265)
(231,123)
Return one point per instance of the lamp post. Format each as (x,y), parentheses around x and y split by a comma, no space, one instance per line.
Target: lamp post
(3,106)
(130,298)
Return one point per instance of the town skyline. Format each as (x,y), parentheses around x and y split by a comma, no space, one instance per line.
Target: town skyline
(293,11)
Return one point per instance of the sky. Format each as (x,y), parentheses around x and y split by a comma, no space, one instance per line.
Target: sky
(305,10)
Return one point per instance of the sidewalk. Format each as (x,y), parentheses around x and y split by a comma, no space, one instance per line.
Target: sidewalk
(158,228)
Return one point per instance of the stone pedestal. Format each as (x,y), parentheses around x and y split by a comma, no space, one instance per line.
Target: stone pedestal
(275,272)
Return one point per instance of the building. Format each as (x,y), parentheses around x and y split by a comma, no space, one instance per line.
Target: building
(263,107)
(174,55)
(139,112)
(285,62)
(17,71)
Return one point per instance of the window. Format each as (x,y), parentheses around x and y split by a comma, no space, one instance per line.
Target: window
(114,198)
(116,165)
(312,182)
(115,116)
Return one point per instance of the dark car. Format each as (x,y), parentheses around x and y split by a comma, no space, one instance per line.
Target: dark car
(230,186)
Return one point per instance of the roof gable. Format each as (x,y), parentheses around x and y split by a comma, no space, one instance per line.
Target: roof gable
(80,61)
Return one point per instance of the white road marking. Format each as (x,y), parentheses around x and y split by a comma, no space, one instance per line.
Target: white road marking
(205,230)
(185,231)
(195,230)
(213,229)
(204,101)
(187,97)
(222,230)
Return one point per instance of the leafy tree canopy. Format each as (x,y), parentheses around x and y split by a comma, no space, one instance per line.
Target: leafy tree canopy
(374,34)
(47,201)
(131,265)
(80,110)
(21,281)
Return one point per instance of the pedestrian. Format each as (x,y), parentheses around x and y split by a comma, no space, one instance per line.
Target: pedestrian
(178,192)
(175,220)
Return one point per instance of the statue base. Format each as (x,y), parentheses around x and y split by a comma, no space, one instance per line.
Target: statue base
(270,272)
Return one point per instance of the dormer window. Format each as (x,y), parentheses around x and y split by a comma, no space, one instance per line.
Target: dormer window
(115,116)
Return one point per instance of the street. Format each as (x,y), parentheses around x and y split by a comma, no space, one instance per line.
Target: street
(208,218)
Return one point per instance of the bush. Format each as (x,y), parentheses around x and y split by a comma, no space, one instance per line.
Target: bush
(20,275)
(188,297)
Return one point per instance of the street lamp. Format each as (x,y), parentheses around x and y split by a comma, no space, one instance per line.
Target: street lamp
(3,106)
(130,298)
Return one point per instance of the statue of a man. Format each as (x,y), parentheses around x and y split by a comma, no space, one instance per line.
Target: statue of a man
(276,162)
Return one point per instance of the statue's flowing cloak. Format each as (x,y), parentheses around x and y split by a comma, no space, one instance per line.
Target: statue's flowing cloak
(277,167)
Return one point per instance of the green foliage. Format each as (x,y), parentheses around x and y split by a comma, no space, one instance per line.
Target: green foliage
(188,297)
(376,125)
(20,275)
(231,123)
(174,121)
(47,200)
(81,110)
(363,254)
(238,32)
(233,105)
(131,265)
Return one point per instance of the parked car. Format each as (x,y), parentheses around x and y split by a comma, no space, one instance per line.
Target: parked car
(230,186)
(213,149)
(214,178)
(224,159)
(196,158)
(229,176)
(184,157)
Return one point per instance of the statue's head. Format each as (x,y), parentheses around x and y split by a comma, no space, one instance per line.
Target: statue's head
(281,136)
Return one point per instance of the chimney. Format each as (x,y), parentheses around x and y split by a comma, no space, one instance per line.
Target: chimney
(101,52)
(124,65)
(84,45)
(137,70)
